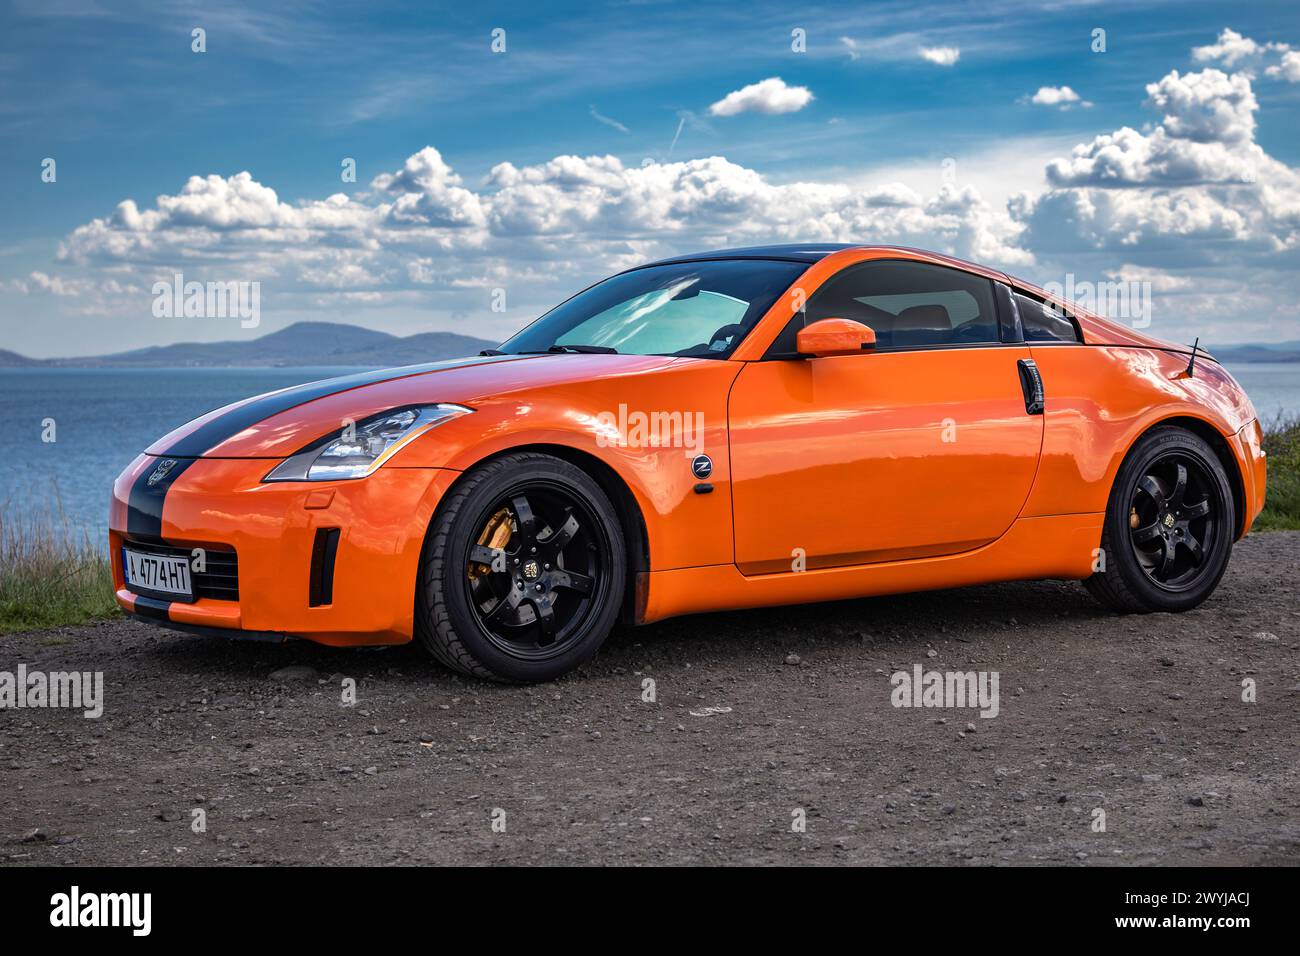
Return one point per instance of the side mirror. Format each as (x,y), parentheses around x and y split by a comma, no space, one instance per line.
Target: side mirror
(835,337)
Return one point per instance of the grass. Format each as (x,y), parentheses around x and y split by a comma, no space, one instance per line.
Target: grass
(51,576)
(1282,504)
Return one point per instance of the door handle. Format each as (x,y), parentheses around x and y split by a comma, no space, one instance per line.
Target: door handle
(1031,383)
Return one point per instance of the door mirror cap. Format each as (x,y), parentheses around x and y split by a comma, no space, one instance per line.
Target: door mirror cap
(835,337)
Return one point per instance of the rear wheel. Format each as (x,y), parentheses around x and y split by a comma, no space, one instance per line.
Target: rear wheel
(523,571)
(1169,528)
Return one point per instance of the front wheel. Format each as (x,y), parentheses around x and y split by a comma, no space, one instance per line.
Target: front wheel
(523,571)
(1170,523)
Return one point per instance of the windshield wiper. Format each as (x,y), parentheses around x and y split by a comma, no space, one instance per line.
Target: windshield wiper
(584,349)
(491,352)
(580,349)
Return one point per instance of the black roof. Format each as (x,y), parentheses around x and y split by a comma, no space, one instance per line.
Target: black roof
(793,252)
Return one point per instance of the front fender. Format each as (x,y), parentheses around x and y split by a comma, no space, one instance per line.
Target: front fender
(647,429)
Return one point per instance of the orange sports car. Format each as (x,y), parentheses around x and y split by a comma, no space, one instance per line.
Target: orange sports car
(723,430)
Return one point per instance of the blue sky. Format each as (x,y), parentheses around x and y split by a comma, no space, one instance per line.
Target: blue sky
(865,137)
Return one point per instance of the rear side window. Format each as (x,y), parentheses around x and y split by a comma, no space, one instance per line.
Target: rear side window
(910,304)
(1043,322)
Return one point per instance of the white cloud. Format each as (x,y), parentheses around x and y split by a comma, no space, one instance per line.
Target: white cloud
(1127,157)
(601,118)
(66,287)
(1160,281)
(1289,67)
(1205,137)
(999,168)
(1193,195)
(547,226)
(767,96)
(1190,196)
(39,282)
(1208,106)
(1231,47)
(1096,218)
(428,192)
(703,201)
(1054,95)
(1059,96)
(940,55)
(899,47)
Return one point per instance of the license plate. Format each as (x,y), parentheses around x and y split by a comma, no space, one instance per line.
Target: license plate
(157,572)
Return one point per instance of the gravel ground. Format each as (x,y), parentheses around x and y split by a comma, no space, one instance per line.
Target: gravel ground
(1141,717)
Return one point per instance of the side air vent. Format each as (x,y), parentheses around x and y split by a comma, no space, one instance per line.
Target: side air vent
(323,550)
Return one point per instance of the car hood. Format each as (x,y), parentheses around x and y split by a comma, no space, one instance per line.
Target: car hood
(280,423)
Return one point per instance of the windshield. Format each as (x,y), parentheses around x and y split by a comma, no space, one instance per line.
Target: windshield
(698,309)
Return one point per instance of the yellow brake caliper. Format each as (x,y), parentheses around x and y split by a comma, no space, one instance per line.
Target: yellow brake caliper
(496,535)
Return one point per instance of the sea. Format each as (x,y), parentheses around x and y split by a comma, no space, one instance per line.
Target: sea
(66,433)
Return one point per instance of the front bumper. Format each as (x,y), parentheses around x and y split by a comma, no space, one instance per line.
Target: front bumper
(222,504)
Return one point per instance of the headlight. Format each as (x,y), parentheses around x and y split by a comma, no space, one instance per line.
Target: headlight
(357,450)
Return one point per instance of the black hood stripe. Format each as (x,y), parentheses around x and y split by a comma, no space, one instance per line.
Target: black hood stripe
(144,508)
(144,505)
(144,521)
(208,436)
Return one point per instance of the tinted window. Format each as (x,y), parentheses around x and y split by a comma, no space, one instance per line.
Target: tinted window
(699,309)
(907,304)
(1042,322)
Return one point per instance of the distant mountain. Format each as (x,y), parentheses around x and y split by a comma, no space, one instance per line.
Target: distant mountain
(303,343)
(14,360)
(333,343)
(1279,352)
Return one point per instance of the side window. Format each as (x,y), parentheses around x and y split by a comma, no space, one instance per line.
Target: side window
(910,304)
(1044,323)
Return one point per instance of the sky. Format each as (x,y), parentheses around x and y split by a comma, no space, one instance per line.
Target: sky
(508,155)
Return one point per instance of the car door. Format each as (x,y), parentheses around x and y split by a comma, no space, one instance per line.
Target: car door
(925,446)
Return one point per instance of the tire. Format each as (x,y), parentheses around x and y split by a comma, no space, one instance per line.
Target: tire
(548,581)
(1149,515)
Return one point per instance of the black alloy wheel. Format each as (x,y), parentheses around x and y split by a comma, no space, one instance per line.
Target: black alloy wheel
(1169,525)
(524,570)
(1172,521)
(535,571)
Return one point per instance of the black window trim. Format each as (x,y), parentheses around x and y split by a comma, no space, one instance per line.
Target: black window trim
(1065,313)
(771,356)
(1012,331)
